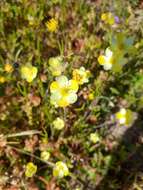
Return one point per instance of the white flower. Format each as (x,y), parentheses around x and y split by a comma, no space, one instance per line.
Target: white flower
(60,170)
(63,91)
(106,60)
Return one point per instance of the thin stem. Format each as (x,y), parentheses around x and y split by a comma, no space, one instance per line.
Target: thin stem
(12,142)
(32,155)
(24,133)
(103,125)
(64,114)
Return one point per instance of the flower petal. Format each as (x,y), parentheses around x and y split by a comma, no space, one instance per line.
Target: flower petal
(107,66)
(71,98)
(63,102)
(34,71)
(56,96)
(102,60)
(108,53)
(62,81)
(54,86)
(73,85)
(104,16)
(123,111)
(122,120)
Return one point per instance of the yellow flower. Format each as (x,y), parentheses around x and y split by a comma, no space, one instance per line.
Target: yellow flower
(52,25)
(94,137)
(56,65)
(106,60)
(31,20)
(91,96)
(124,116)
(63,91)
(112,60)
(45,155)
(58,123)
(81,75)
(29,72)
(8,68)
(30,169)
(60,170)
(2,79)
(108,18)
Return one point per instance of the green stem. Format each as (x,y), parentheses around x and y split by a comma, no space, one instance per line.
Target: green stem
(32,155)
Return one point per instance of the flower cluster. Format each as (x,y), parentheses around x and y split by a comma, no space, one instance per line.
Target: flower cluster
(64,91)
(108,18)
(81,75)
(114,57)
(60,170)
(7,70)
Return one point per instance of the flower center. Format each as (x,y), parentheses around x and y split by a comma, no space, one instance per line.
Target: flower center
(64,91)
(77,77)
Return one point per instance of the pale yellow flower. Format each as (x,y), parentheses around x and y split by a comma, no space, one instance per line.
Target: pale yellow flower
(56,66)
(81,75)
(31,20)
(94,137)
(63,91)
(45,155)
(124,116)
(108,18)
(58,123)
(60,170)
(91,96)
(2,79)
(106,60)
(30,169)
(52,25)
(8,68)
(112,60)
(29,72)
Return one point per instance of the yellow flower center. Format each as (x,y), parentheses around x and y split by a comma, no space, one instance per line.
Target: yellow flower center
(64,91)
(8,68)
(76,76)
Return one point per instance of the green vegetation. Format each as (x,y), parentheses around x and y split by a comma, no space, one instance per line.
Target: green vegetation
(71,84)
